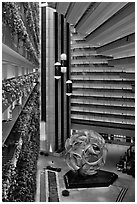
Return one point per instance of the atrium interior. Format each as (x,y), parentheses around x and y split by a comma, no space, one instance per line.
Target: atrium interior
(68,101)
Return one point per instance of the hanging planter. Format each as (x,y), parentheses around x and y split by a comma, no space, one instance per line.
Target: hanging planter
(19,175)
(11,16)
(14,88)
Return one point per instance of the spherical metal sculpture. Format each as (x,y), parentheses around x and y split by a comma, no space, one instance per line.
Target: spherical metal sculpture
(85,152)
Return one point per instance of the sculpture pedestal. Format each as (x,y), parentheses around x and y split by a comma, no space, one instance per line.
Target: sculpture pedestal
(101,179)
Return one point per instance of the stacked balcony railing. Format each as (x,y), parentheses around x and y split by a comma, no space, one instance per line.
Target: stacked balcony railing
(103,95)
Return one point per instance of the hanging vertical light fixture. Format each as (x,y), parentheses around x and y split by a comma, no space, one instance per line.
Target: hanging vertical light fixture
(63,58)
(57,70)
(69,88)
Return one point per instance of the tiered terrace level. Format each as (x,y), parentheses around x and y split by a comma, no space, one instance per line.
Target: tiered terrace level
(103,92)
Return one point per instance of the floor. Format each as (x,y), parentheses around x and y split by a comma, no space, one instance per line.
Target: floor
(123,186)
(8,125)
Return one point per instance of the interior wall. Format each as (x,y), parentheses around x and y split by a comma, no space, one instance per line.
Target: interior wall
(50,82)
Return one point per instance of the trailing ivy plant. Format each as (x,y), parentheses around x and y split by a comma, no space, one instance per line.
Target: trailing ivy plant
(19,177)
(11,17)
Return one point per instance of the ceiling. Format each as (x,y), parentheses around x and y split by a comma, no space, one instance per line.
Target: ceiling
(109,26)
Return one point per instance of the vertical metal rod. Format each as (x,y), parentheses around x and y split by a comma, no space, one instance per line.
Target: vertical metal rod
(43,64)
(56,83)
(62,84)
(68,77)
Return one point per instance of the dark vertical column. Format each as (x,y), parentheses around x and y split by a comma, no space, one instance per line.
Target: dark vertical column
(68,77)
(68,50)
(62,34)
(62,84)
(56,82)
(43,64)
